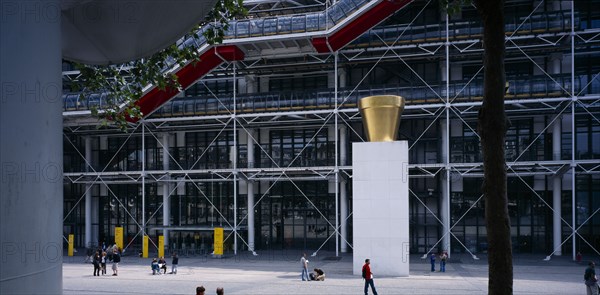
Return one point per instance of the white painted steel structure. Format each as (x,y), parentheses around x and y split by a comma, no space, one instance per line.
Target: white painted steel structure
(451,110)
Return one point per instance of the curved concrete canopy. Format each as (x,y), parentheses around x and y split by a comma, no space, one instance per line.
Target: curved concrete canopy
(117,31)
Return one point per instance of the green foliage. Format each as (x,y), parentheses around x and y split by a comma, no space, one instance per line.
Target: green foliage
(452,7)
(125,83)
(219,17)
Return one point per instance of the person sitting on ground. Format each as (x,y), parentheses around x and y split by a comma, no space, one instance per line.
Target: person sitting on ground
(155,267)
(200,290)
(163,264)
(319,274)
(220,291)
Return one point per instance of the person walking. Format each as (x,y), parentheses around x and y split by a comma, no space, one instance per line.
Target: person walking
(174,263)
(432,260)
(368,277)
(591,281)
(443,259)
(304,264)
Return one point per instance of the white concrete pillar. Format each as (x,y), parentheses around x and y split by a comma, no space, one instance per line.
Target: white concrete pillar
(88,196)
(444,191)
(344,216)
(556,191)
(343,193)
(250,146)
(166,187)
(250,188)
(251,233)
(31,148)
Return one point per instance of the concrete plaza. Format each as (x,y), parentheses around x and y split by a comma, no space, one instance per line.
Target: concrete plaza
(279,273)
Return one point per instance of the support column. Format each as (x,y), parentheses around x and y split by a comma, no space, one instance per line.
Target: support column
(344,216)
(556,191)
(88,195)
(250,185)
(445,189)
(343,193)
(31,148)
(166,188)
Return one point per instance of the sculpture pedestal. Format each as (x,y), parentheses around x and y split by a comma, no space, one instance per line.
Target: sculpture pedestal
(380,207)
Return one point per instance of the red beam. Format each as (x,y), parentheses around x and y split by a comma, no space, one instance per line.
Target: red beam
(187,76)
(358,26)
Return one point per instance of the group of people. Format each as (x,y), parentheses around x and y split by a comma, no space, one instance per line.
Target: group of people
(317,274)
(100,258)
(443,259)
(200,290)
(161,264)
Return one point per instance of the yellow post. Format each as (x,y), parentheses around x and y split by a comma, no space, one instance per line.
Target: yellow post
(71,239)
(161,246)
(119,237)
(218,241)
(145,247)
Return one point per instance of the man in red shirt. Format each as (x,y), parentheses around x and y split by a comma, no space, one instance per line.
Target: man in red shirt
(368,276)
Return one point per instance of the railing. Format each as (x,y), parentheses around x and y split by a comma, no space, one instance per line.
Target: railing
(519,88)
(557,21)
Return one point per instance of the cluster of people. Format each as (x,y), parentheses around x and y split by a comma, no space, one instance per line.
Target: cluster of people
(443,259)
(161,264)
(200,290)
(100,258)
(317,274)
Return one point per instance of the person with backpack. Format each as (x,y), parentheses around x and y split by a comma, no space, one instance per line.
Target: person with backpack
(591,281)
(368,277)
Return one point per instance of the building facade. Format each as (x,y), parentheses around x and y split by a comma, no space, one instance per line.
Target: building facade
(262,145)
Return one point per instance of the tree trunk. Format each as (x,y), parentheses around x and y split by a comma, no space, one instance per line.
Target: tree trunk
(492,129)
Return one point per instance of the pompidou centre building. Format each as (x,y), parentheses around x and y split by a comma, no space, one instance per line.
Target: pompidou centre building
(259,142)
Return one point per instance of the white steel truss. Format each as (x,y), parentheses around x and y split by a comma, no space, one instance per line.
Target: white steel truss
(442,108)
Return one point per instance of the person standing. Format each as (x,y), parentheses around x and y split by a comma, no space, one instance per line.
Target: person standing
(116,260)
(174,263)
(432,260)
(304,264)
(96,262)
(368,276)
(103,263)
(443,259)
(591,281)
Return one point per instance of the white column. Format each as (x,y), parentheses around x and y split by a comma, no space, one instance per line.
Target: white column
(343,193)
(88,195)
(344,216)
(380,207)
(251,242)
(250,185)
(556,191)
(31,148)
(445,188)
(166,188)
